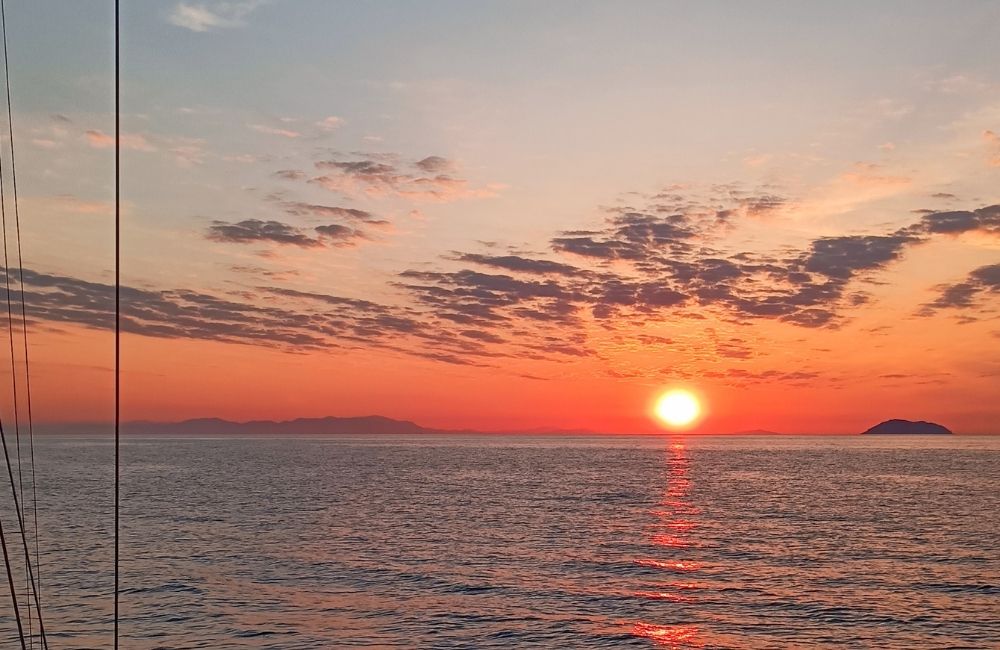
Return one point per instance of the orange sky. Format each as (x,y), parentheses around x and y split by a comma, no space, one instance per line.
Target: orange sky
(798,220)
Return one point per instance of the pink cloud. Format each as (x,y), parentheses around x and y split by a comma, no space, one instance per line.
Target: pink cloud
(867,175)
(101,140)
(330,123)
(993,142)
(284,133)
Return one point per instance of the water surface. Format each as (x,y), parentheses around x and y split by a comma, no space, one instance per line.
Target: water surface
(459,542)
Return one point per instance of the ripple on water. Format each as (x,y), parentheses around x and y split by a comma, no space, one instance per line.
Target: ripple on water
(521,542)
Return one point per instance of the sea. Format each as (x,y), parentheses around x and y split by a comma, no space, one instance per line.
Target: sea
(514,542)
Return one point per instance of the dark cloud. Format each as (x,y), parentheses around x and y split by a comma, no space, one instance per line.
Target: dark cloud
(338,235)
(631,236)
(251,231)
(276,317)
(363,168)
(290,174)
(985,220)
(522,264)
(245,269)
(302,209)
(980,283)
(745,377)
(429,179)
(843,257)
(434,164)
(757,206)
(643,263)
(165,313)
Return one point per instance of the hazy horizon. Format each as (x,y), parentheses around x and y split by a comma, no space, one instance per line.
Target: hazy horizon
(129,428)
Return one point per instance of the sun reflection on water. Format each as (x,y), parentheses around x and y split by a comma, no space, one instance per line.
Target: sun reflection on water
(669,636)
(675,529)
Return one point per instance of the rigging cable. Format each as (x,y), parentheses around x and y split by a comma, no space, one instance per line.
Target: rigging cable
(13,367)
(118,317)
(18,506)
(24,316)
(10,582)
(24,541)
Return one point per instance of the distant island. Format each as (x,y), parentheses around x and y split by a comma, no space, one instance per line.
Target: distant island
(371,424)
(352,426)
(907,427)
(378,424)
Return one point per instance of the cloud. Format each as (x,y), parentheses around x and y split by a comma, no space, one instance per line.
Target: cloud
(745,377)
(644,262)
(843,257)
(101,140)
(868,176)
(270,274)
(993,146)
(983,281)
(179,313)
(187,152)
(361,222)
(290,174)
(665,256)
(330,123)
(270,130)
(286,319)
(206,17)
(522,264)
(985,220)
(383,175)
(762,205)
(253,231)
(631,236)
(338,235)
(434,164)
(301,209)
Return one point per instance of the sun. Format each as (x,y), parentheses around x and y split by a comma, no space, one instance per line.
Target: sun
(678,408)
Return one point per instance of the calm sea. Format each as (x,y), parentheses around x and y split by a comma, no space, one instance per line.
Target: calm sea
(499,542)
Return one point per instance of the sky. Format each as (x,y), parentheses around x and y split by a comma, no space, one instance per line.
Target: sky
(513,215)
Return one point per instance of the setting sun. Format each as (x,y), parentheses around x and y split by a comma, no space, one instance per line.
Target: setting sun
(678,408)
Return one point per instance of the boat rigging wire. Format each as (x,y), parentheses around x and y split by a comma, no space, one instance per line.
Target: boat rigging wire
(118,317)
(24,316)
(10,581)
(13,365)
(32,585)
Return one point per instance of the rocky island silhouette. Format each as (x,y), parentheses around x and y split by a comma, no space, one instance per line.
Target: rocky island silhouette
(907,427)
